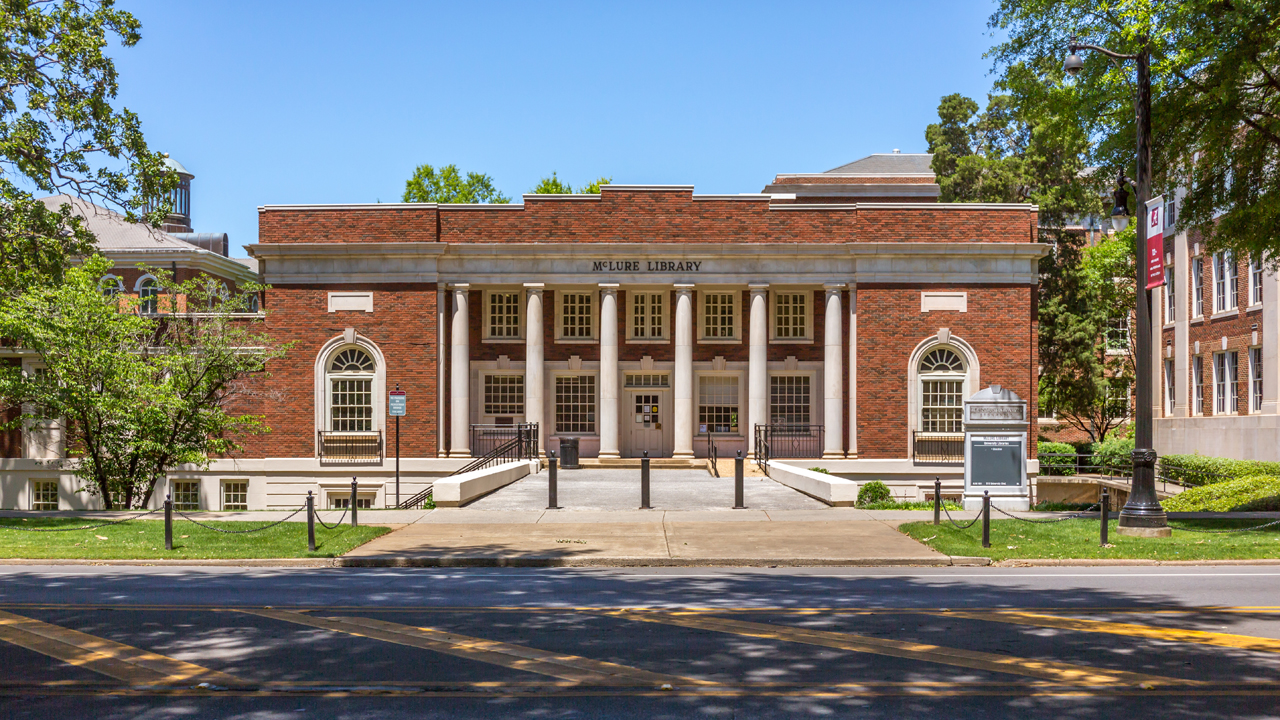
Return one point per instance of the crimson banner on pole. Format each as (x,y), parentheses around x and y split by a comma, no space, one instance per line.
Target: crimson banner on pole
(1154,218)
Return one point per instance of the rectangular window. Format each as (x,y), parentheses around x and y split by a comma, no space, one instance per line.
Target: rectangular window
(1233,374)
(186,495)
(645,380)
(1255,379)
(1117,334)
(351,406)
(575,315)
(1219,282)
(504,315)
(1170,305)
(942,406)
(1233,280)
(647,316)
(576,404)
(1255,282)
(44,494)
(789,319)
(503,394)
(717,404)
(1226,383)
(1197,381)
(717,316)
(235,496)
(1197,284)
(1170,213)
(343,501)
(1170,387)
(789,400)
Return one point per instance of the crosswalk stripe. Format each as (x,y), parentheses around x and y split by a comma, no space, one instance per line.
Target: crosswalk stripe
(122,662)
(1201,637)
(1043,669)
(566,667)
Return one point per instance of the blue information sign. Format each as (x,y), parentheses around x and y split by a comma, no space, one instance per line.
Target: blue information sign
(398,403)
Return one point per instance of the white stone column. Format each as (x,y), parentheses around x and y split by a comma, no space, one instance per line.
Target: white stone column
(460,374)
(534,372)
(853,371)
(683,385)
(609,370)
(833,373)
(442,368)
(1270,342)
(757,364)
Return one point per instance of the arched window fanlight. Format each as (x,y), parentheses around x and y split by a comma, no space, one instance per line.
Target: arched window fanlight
(353,360)
(942,360)
(111,285)
(148,292)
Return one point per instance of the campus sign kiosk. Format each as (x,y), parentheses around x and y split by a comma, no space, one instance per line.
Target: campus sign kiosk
(995,449)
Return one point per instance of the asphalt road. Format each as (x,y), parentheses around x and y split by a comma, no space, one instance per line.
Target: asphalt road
(116,642)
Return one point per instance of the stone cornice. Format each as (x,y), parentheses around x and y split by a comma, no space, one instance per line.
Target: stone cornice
(203,260)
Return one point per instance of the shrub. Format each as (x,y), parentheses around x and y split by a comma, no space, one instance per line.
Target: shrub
(824,471)
(1205,470)
(1113,453)
(1058,466)
(1244,494)
(873,492)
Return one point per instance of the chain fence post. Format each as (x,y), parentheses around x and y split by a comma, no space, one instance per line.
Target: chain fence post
(986,518)
(644,481)
(311,522)
(937,500)
(551,481)
(1106,520)
(168,522)
(738,472)
(353,503)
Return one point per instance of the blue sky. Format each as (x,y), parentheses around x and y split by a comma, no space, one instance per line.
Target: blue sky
(337,102)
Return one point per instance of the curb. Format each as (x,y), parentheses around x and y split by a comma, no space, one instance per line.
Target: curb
(606,562)
(1128,562)
(160,562)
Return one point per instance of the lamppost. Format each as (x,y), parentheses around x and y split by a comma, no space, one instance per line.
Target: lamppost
(1142,514)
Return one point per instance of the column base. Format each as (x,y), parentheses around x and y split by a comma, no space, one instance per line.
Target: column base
(684,455)
(832,455)
(1146,532)
(609,455)
(460,454)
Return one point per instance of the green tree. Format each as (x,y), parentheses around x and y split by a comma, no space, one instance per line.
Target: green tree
(447,185)
(60,134)
(551,186)
(593,187)
(1215,100)
(137,394)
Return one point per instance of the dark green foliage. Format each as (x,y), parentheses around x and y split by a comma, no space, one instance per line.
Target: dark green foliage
(1205,470)
(873,492)
(1057,466)
(824,471)
(447,185)
(1114,452)
(1260,493)
(554,186)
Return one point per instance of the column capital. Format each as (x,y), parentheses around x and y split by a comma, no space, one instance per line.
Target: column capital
(459,286)
(758,288)
(609,288)
(535,288)
(684,288)
(833,287)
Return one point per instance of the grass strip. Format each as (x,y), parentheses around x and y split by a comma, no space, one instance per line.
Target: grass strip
(1011,539)
(144,540)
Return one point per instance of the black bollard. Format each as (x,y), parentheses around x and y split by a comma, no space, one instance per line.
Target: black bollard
(644,481)
(551,481)
(1106,512)
(738,503)
(168,522)
(353,503)
(311,522)
(986,518)
(937,500)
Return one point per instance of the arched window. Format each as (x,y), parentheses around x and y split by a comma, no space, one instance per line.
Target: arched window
(942,391)
(111,285)
(148,294)
(350,376)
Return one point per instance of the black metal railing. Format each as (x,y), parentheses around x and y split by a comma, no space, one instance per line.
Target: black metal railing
(789,441)
(761,447)
(1058,465)
(417,501)
(713,454)
(349,447)
(485,438)
(937,448)
(521,444)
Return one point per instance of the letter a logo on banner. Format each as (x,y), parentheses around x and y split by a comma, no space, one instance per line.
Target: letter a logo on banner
(1154,219)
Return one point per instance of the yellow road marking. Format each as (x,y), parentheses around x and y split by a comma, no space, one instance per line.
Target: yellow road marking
(122,662)
(1043,669)
(566,667)
(1201,637)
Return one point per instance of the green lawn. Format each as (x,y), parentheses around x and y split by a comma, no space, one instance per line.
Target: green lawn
(144,539)
(1011,539)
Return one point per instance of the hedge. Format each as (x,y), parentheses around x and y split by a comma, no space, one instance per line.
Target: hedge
(1113,453)
(1057,466)
(1205,470)
(1245,494)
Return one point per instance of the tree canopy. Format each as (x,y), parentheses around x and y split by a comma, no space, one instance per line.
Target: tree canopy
(447,185)
(555,186)
(1215,100)
(59,133)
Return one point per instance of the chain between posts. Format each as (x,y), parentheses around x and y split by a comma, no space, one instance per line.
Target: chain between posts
(86,527)
(190,519)
(334,526)
(953,522)
(1078,515)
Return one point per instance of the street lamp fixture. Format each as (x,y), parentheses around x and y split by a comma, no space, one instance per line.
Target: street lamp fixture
(1142,514)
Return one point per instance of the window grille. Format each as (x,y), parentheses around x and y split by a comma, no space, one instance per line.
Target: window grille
(351,405)
(643,380)
(941,360)
(503,394)
(1197,379)
(647,316)
(351,360)
(186,495)
(1255,379)
(717,404)
(717,316)
(44,494)
(575,309)
(941,406)
(1197,284)
(504,315)
(789,400)
(235,496)
(576,403)
(789,316)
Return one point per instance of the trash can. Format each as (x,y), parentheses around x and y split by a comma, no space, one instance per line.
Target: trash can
(569,453)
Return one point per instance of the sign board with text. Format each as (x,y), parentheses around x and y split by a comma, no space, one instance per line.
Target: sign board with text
(1154,218)
(397,403)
